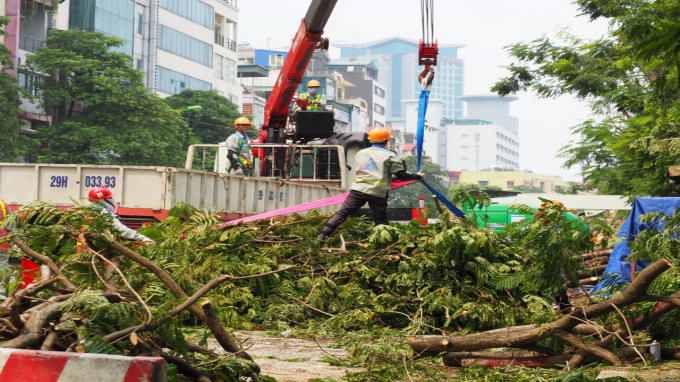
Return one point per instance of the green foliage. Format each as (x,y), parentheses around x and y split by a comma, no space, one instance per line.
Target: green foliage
(528,189)
(214,122)
(13,142)
(629,77)
(123,124)
(409,196)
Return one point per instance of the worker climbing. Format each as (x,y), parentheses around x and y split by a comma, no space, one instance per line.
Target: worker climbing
(376,166)
(105,197)
(238,148)
(312,99)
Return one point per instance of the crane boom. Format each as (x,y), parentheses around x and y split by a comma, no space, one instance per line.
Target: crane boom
(305,42)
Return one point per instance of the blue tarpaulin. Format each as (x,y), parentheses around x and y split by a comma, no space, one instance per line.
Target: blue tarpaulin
(629,230)
(422,110)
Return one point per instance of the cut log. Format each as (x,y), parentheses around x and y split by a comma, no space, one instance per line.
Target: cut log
(594,271)
(593,262)
(528,334)
(670,353)
(488,359)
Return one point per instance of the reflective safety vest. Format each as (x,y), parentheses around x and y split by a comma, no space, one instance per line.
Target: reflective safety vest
(313,106)
(4,213)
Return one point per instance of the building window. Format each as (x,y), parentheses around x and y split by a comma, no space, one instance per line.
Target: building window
(194,10)
(379,92)
(138,64)
(459,79)
(459,65)
(379,109)
(217,66)
(29,82)
(483,183)
(230,70)
(172,82)
(378,124)
(459,71)
(511,183)
(459,89)
(140,23)
(276,60)
(233,99)
(184,46)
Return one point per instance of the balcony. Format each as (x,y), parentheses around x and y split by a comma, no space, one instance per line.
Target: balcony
(30,44)
(233,3)
(225,42)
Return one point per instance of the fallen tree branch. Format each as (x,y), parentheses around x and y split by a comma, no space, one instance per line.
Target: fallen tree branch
(45,260)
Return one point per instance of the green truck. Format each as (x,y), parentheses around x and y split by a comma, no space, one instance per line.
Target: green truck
(500,216)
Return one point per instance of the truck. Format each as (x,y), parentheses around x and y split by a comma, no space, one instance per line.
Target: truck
(147,193)
(301,159)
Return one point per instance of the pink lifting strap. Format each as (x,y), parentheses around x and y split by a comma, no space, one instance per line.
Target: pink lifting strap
(307,206)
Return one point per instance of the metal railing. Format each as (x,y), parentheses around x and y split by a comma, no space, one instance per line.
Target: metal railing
(30,44)
(233,3)
(225,42)
(301,163)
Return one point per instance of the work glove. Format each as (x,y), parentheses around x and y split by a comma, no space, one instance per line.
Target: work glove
(148,241)
(239,171)
(421,174)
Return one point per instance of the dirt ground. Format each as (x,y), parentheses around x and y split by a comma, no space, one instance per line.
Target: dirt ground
(291,359)
(663,372)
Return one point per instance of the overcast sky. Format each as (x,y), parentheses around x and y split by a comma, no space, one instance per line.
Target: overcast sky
(485,26)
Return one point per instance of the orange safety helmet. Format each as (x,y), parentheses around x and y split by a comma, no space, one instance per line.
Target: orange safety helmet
(378,135)
(313,84)
(242,121)
(100,193)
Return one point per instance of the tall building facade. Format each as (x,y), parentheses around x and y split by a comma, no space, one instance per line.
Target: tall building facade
(178,44)
(488,138)
(397,61)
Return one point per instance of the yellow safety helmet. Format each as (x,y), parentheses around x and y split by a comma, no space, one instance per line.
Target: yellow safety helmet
(242,121)
(378,135)
(313,83)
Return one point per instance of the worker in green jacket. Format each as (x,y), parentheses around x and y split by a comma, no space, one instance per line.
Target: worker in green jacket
(376,166)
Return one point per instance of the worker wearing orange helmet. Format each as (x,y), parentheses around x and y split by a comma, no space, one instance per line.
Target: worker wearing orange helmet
(316,101)
(238,148)
(105,197)
(376,166)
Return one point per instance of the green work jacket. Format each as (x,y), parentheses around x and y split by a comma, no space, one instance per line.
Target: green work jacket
(376,166)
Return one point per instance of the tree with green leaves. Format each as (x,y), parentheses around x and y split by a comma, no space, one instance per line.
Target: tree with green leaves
(528,189)
(630,79)
(123,123)
(13,142)
(410,195)
(214,122)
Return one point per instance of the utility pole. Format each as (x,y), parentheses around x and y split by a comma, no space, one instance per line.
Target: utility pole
(477,150)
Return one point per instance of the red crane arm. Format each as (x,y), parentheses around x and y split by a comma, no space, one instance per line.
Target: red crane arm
(306,40)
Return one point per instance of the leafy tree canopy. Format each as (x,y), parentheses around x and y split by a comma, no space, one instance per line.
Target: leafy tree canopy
(124,123)
(629,77)
(528,189)
(410,195)
(13,141)
(214,122)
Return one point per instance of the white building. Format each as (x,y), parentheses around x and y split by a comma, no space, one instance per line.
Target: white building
(487,137)
(436,135)
(476,144)
(196,47)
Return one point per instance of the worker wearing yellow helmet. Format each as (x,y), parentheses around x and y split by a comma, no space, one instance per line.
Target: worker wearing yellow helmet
(238,148)
(375,166)
(316,100)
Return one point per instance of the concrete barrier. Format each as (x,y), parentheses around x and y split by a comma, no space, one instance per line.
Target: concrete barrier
(18,365)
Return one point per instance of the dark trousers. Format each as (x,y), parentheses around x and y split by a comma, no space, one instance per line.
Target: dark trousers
(354,201)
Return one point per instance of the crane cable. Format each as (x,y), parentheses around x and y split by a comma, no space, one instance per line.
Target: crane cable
(427,20)
(427,17)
